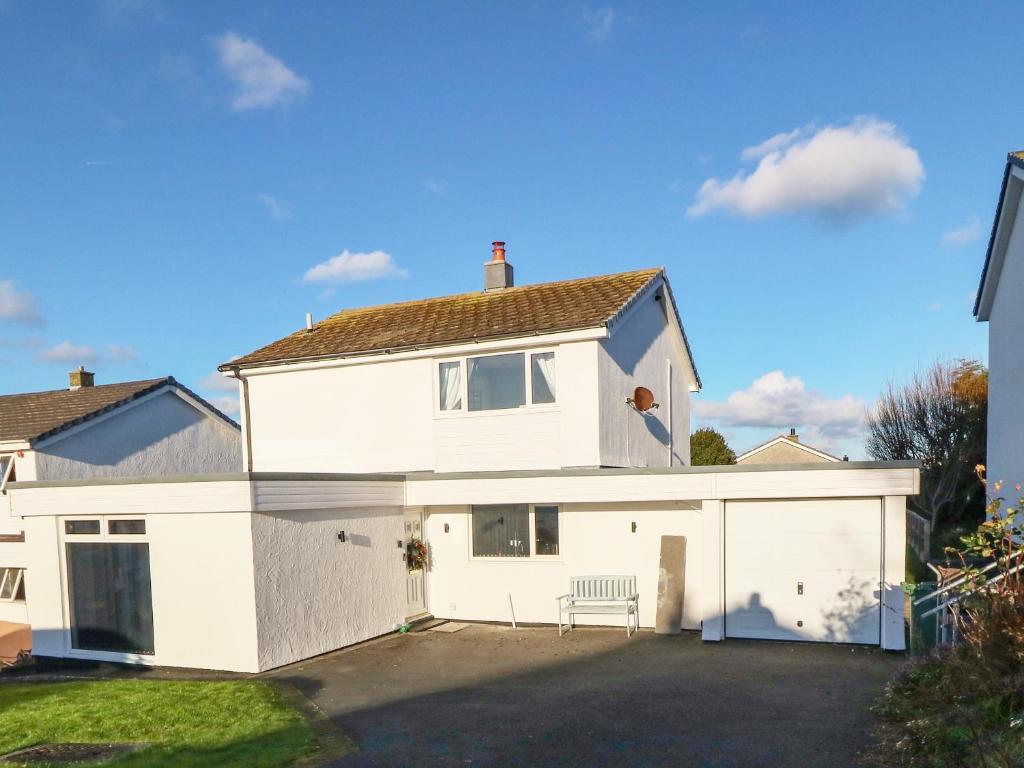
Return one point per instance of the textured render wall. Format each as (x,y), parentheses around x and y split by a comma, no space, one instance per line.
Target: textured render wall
(1006,365)
(162,436)
(637,354)
(595,539)
(201,569)
(781,453)
(320,421)
(376,417)
(315,593)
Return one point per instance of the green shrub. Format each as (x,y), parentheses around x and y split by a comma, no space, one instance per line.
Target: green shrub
(965,706)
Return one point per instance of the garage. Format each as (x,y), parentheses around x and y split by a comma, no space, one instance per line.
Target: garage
(807,569)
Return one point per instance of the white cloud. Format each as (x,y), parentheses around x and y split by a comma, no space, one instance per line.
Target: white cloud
(120,353)
(228,405)
(774,144)
(18,307)
(780,402)
(349,267)
(963,235)
(263,80)
(839,172)
(217,382)
(436,186)
(66,352)
(598,23)
(276,208)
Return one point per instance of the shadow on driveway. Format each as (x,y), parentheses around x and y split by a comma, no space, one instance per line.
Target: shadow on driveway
(492,696)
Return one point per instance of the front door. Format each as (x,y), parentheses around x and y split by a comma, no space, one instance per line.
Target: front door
(415,596)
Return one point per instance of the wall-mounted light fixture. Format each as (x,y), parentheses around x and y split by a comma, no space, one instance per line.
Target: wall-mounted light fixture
(446,528)
(633,526)
(401,544)
(341,535)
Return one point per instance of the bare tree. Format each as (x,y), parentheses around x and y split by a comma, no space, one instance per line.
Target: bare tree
(939,420)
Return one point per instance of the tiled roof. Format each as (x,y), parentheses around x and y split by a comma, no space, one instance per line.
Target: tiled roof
(36,415)
(521,311)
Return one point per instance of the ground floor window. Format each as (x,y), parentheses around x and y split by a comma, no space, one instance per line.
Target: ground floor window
(507,530)
(12,584)
(111,597)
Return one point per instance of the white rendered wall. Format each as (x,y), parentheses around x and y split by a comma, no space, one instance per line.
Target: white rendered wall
(315,593)
(381,416)
(376,417)
(1005,458)
(201,569)
(162,436)
(642,351)
(594,539)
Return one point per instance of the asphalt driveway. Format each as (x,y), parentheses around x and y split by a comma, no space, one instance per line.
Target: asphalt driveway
(493,696)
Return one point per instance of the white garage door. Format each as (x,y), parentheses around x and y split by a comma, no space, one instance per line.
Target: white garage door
(803,570)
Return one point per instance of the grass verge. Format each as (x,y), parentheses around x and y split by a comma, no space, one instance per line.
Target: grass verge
(229,724)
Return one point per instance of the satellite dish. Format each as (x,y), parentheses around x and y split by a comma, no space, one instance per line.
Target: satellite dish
(643,399)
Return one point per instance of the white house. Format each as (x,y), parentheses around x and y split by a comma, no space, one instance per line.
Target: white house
(785,449)
(152,427)
(998,302)
(506,431)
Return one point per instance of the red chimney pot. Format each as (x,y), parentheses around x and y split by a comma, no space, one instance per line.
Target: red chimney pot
(497,251)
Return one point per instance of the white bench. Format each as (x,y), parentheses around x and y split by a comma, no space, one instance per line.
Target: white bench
(600,594)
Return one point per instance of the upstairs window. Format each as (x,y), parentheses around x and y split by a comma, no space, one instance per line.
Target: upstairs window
(496,382)
(6,471)
(542,373)
(450,388)
(12,584)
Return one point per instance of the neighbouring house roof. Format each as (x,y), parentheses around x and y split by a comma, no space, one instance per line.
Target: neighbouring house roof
(35,416)
(788,443)
(990,270)
(526,310)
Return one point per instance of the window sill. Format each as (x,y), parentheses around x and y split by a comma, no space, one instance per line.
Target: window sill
(552,408)
(530,559)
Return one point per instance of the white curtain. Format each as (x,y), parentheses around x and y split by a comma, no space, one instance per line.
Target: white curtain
(451,386)
(544,377)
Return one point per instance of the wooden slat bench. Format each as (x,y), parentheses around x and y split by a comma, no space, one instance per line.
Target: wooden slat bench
(600,594)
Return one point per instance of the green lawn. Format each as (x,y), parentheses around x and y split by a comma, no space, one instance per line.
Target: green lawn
(223,723)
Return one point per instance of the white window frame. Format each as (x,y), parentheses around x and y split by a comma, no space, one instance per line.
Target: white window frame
(6,469)
(463,361)
(105,537)
(5,576)
(533,556)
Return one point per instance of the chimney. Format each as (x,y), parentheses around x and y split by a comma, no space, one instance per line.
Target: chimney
(81,378)
(497,271)
(793,435)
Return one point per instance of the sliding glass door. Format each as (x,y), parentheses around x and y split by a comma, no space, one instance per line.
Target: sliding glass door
(111,597)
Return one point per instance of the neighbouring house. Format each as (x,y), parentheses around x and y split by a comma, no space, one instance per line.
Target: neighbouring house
(785,449)
(505,431)
(151,428)
(998,303)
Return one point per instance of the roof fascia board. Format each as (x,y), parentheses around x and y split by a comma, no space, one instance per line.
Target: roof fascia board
(440,350)
(1002,228)
(15,445)
(782,439)
(630,308)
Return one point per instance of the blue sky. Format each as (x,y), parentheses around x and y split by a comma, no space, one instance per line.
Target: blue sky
(818,181)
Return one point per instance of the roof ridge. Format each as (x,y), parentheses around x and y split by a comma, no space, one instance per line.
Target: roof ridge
(87,389)
(489,294)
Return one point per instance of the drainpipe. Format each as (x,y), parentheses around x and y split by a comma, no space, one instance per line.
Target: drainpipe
(246,421)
